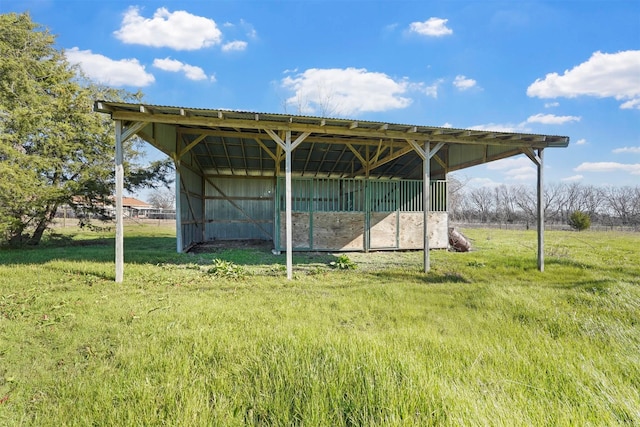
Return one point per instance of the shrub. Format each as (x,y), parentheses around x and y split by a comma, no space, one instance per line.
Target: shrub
(579,220)
(227,269)
(343,263)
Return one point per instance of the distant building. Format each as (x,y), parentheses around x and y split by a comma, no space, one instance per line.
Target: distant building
(134,208)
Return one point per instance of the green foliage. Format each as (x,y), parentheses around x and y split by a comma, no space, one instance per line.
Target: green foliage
(227,270)
(54,149)
(579,220)
(462,345)
(343,263)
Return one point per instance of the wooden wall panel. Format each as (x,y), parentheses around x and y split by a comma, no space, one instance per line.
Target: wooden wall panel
(301,225)
(338,231)
(411,231)
(383,230)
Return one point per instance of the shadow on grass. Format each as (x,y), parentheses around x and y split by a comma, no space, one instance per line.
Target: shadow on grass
(137,250)
(596,286)
(431,277)
(152,250)
(568,263)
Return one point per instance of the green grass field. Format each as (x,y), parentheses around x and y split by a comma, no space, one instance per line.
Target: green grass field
(483,339)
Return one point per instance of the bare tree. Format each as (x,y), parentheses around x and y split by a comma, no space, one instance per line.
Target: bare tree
(506,203)
(482,201)
(162,198)
(592,200)
(554,201)
(526,200)
(456,197)
(620,201)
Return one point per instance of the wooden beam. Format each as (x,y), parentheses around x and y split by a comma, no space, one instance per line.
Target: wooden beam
(288,208)
(426,181)
(265,148)
(299,140)
(312,138)
(357,154)
(421,133)
(379,152)
(119,166)
(530,153)
(279,156)
(414,145)
(178,185)
(540,188)
(288,147)
(440,161)
(391,156)
(276,138)
(132,129)
(192,144)
(435,149)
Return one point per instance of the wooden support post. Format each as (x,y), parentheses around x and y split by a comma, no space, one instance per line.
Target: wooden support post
(119,214)
(178,184)
(288,216)
(540,210)
(426,178)
(288,147)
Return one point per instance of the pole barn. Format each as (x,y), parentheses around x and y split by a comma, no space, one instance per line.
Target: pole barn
(312,183)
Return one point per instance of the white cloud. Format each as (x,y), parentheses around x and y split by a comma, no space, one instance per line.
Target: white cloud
(551,119)
(633,150)
(581,141)
(572,178)
(630,105)
(551,104)
(190,71)
(179,30)
(634,169)
(248,29)
(447,125)
(603,75)
(432,27)
(123,72)
(235,45)
(428,90)
(345,91)
(515,168)
(463,83)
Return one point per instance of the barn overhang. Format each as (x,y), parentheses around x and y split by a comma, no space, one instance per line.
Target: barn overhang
(241,143)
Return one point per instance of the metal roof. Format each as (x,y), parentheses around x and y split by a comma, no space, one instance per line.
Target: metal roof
(228,142)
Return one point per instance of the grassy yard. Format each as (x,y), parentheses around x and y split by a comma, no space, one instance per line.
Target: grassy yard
(483,339)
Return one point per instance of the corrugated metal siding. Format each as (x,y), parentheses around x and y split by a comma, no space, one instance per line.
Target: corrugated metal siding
(239,208)
(461,154)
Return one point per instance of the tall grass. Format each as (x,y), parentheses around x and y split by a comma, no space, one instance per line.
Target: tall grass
(483,339)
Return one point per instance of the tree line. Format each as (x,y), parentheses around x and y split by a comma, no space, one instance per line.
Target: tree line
(517,204)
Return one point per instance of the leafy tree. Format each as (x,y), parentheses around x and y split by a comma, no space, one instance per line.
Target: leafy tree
(54,149)
(579,220)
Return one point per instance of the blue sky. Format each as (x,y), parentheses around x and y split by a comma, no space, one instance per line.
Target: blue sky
(551,67)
